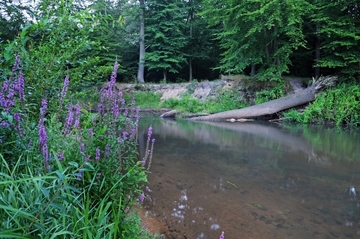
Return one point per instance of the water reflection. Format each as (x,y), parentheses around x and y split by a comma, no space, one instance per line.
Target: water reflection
(253,180)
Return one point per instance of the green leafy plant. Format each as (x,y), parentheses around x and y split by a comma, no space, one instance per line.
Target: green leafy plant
(69,173)
(185,103)
(267,95)
(338,106)
(147,100)
(229,100)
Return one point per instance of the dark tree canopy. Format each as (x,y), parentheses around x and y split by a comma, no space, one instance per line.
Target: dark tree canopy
(195,39)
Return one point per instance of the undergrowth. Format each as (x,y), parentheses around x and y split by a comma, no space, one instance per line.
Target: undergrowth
(69,172)
(228,100)
(339,106)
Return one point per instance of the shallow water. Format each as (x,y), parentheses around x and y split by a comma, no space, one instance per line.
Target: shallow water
(252,180)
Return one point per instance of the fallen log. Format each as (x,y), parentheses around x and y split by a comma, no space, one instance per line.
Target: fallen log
(271,107)
(169,114)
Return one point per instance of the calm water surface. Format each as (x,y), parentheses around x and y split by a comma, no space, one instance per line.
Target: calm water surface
(253,180)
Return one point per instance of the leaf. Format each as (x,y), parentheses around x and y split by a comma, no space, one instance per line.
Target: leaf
(12,234)
(75,164)
(76,190)
(60,207)
(18,212)
(60,176)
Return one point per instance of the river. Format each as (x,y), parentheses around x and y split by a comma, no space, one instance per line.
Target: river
(252,180)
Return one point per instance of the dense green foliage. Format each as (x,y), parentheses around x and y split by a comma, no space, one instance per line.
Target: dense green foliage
(165,29)
(339,106)
(69,173)
(266,38)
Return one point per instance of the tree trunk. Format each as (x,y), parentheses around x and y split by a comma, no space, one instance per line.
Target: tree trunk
(191,17)
(253,69)
(190,70)
(317,50)
(271,107)
(164,76)
(141,67)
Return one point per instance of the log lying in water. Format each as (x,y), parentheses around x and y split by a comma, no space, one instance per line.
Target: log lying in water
(271,107)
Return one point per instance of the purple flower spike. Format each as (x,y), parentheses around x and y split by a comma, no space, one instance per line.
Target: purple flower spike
(91,133)
(125,134)
(79,176)
(107,150)
(149,132)
(77,116)
(69,119)
(43,107)
(142,197)
(17,117)
(16,64)
(60,156)
(143,162)
(97,154)
(222,236)
(42,130)
(20,85)
(113,76)
(64,89)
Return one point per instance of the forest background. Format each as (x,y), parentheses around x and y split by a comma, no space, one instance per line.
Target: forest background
(185,40)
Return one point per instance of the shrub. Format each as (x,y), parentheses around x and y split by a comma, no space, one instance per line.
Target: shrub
(229,100)
(339,106)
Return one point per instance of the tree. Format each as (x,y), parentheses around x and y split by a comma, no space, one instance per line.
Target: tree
(165,22)
(12,19)
(258,33)
(200,43)
(141,68)
(338,25)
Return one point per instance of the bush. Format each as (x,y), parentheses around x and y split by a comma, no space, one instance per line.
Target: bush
(186,103)
(229,100)
(338,106)
(69,173)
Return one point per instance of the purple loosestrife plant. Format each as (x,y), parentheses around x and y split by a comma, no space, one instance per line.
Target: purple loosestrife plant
(20,85)
(17,118)
(63,94)
(42,130)
(77,116)
(151,153)
(142,197)
(107,150)
(16,64)
(60,156)
(43,135)
(7,96)
(97,154)
(148,151)
(64,89)
(69,119)
(91,133)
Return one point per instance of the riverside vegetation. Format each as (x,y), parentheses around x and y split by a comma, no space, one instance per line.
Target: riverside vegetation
(338,106)
(66,172)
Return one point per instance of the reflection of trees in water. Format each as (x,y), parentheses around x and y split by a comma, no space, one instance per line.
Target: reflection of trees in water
(332,143)
(317,145)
